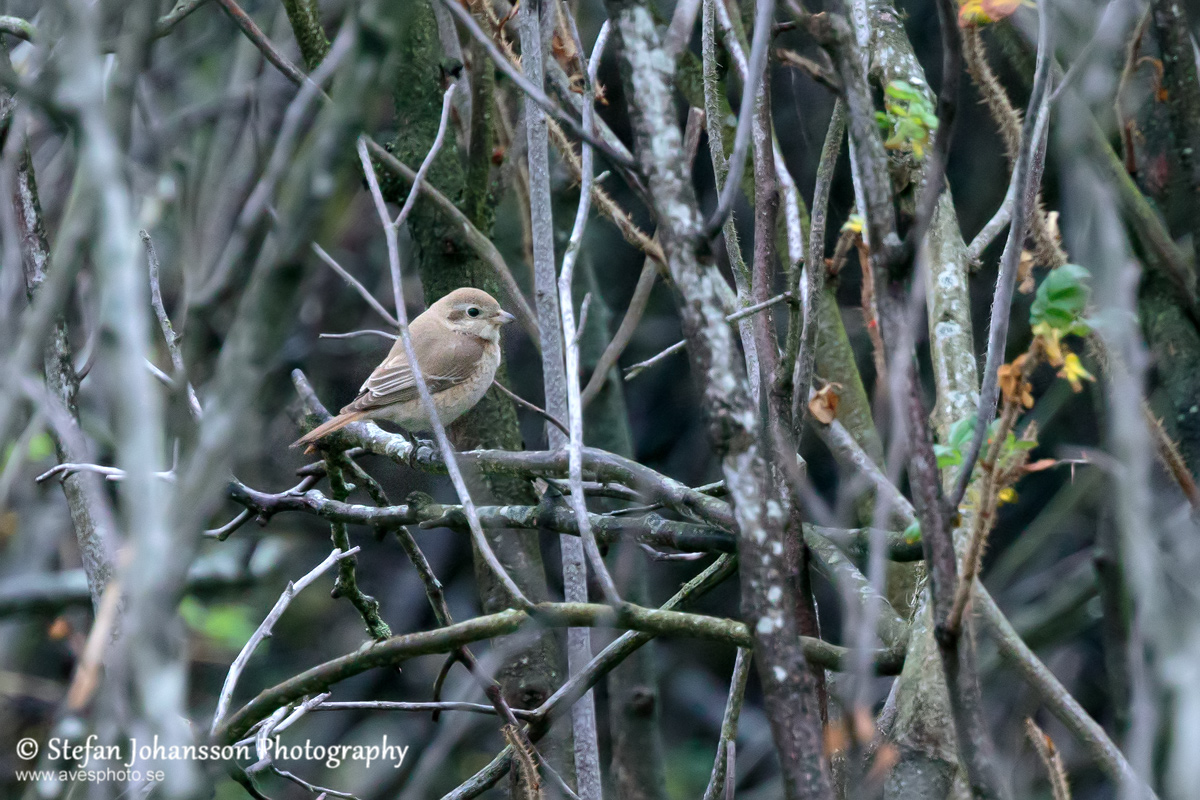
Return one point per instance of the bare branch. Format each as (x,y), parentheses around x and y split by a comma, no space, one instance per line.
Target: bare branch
(358,287)
(764,18)
(264,631)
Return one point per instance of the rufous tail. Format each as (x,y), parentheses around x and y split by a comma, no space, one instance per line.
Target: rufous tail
(337,423)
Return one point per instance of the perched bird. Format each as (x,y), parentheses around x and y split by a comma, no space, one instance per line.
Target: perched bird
(457,344)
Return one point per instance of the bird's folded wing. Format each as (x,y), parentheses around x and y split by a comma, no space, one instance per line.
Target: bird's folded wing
(444,364)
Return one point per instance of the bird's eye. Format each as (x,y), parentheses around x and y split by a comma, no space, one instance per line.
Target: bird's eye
(472,312)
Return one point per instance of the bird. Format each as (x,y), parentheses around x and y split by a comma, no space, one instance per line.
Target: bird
(457,344)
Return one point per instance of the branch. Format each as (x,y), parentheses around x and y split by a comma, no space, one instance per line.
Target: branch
(1057,699)
(815,267)
(264,631)
(729,725)
(398,649)
(1026,177)
(170,337)
(358,287)
(764,18)
(679,346)
(532,91)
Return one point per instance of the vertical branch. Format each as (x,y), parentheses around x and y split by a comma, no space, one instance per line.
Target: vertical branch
(91,514)
(447,258)
(815,267)
(716,109)
(768,597)
(583,714)
(1023,181)
(729,724)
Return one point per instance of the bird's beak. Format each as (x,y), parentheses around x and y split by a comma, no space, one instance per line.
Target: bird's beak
(505,317)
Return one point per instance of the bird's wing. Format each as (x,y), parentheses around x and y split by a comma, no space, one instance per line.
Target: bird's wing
(446,358)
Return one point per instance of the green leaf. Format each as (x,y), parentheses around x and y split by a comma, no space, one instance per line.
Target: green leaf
(1061,298)
(229,625)
(947,456)
(912,534)
(41,446)
(962,431)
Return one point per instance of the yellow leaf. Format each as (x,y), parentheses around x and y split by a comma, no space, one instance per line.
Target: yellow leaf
(1074,372)
(971,14)
(1006,495)
(1051,340)
(854,224)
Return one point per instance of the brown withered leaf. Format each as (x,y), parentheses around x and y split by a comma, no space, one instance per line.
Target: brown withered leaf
(59,629)
(824,404)
(1013,384)
(1040,464)
(1025,273)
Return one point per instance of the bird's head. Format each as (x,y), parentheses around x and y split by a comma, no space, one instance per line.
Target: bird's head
(472,311)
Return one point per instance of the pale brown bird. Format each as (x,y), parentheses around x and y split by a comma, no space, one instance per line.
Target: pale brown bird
(457,344)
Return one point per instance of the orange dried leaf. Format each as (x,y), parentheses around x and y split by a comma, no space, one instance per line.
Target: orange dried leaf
(864,724)
(1040,464)
(1013,384)
(59,629)
(999,9)
(824,404)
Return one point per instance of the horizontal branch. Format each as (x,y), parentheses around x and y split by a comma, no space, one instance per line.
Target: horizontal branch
(650,529)
(598,465)
(398,649)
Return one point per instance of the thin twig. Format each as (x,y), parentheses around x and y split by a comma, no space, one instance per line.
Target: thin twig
(566,305)
(1043,745)
(523,403)
(1057,699)
(168,331)
(445,705)
(983,520)
(678,347)
(534,92)
(264,630)
(438,140)
(989,392)
(475,238)
(815,268)
(729,724)
(358,287)
(355,334)
(763,19)
(645,285)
